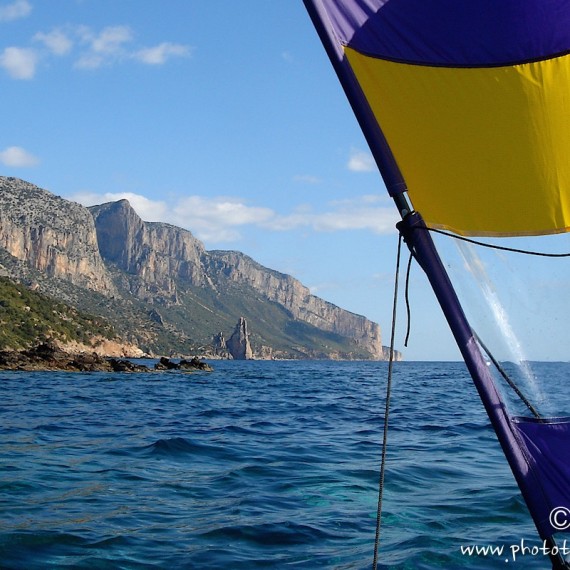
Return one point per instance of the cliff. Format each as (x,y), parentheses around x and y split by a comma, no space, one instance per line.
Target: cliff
(161,288)
(156,255)
(54,236)
(289,293)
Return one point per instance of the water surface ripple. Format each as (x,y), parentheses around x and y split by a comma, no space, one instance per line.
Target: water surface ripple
(258,464)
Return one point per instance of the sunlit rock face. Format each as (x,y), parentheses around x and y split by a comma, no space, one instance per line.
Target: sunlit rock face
(185,292)
(52,235)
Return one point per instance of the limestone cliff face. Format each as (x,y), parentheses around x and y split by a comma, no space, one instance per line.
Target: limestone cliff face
(296,298)
(158,254)
(50,234)
(183,292)
(162,256)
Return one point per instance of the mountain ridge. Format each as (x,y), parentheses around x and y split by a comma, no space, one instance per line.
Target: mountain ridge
(159,285)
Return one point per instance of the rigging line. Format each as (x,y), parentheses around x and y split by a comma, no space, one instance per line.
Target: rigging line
(507,378)
(387,409)
(492,245)
(407,297)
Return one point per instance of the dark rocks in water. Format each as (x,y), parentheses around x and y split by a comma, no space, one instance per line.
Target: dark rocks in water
(121,365)
(165,364)
(47,356)
(194,364)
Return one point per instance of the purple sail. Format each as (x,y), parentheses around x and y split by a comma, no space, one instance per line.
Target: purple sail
(546,447)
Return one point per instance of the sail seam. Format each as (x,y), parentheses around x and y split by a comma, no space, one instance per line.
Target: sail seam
(483,65)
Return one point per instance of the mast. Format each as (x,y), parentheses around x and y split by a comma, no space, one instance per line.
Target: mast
(421,245)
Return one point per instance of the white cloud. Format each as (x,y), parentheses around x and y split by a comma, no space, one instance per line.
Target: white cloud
(378,220)
(220,219)
(148,210)
(104,47)
(19,63)
(114,44)
(56,41)
(111,39)
(214,220)
(17,157)
(361,161)
(350,214)
(109,46)
(15,10)
(161,53)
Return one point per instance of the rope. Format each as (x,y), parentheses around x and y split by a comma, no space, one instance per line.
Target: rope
(493,245)
(407,296)
(507,378)
(387,411)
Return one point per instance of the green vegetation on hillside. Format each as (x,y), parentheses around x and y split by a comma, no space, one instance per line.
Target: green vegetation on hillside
(27,317)
(269,323)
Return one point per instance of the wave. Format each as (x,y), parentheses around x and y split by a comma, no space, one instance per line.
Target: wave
(176,446)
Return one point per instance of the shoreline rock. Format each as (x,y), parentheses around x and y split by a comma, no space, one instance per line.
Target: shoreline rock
(193,364)
(48,357)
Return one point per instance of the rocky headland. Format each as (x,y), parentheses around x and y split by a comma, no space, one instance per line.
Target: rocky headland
(46,357)
(160,290)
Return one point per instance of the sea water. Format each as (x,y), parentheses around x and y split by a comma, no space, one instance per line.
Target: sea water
(256,465)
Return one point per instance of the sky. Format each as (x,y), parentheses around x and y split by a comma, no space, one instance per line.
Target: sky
(224,118)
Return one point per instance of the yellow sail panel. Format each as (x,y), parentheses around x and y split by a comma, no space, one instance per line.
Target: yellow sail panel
(484,151)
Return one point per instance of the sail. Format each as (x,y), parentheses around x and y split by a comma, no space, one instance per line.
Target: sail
(466,107)
(545,445)
(473,98)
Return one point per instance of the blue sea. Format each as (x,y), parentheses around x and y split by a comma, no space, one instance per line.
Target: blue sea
(255,465)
